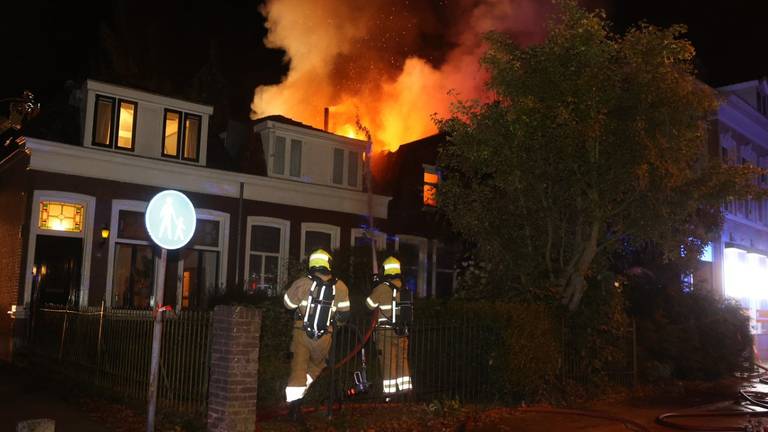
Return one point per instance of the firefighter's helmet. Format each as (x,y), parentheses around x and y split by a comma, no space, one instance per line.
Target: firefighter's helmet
(391,267)
(320,260)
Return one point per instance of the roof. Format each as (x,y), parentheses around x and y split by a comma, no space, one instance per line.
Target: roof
(289,121)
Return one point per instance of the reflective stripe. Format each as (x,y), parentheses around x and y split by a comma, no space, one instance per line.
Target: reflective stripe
(314,256)
(288,302)
(391,266)
(309,380)
(385,307)
(294,393)
(371,303)
(309,302)
(342,304)
(390,386)
(303,303)
(404,383)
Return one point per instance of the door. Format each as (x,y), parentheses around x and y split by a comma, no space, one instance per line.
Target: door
(58,261)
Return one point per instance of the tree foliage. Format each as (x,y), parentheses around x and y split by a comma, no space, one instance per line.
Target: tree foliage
(586,141)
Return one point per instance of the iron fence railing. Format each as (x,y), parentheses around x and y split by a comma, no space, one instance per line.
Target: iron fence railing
(111,349)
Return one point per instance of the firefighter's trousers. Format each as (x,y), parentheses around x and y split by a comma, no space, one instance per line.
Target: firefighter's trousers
(392,351)
(307,361)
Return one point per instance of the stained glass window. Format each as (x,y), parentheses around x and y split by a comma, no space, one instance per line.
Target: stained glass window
(60,216)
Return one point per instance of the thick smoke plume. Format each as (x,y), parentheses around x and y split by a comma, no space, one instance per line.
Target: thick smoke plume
(390,62)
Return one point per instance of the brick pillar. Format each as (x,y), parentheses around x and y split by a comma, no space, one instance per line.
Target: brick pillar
(234,369)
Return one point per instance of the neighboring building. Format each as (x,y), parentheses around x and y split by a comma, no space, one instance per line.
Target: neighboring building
(739,267)
(428,247)
(73,228)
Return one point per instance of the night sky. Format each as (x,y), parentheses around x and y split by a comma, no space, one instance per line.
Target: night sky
(48,43)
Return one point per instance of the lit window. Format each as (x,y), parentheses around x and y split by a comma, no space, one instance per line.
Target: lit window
(102,126)
(431,181)
(267,252)
(59,216)
(171,133)
(109,112)
(126,123)
(191,136)
(181,135)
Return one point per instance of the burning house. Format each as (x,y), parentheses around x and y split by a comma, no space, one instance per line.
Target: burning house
(74,234)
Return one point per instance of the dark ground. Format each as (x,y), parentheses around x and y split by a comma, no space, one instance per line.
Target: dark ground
(26,396)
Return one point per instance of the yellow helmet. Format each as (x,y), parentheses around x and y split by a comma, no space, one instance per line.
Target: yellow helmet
(320,259)
(391,266)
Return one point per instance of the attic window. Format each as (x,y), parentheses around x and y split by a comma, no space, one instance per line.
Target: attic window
(431,182)
(181,135)
(114,115)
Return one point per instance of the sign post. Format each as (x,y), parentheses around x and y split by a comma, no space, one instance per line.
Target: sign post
(170,220)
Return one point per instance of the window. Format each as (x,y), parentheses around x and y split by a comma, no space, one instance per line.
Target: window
(267,254)
(412,252)
(318,236)
(295,158)
(360,239)
(109,112)
(126,122)
(193,273)
(191,142)
(352,167)
(134,262)
(181,142)
(199,265)
(431,181)
(338,166)
(104,117)
(171,133)
(60,216)
(285,159)
(444,260)
(352,170)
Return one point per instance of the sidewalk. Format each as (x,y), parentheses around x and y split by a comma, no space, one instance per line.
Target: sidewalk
(24,396)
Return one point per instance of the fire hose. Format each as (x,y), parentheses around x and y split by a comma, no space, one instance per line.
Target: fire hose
(751,399)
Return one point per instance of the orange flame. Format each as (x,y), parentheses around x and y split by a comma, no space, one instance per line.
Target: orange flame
(367,60)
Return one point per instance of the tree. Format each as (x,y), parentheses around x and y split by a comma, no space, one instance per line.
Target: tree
(586,142)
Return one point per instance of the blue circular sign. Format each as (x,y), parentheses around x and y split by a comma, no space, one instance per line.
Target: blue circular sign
(170,219)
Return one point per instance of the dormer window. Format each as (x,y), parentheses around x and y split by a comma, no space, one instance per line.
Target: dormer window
(285,158)
(352,160)
(108,113)
(181,135)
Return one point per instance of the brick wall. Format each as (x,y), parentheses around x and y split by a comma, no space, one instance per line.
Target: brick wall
(234,369)
(13,202)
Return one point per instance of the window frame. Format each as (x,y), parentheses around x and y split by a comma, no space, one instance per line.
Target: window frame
(287,156)
(423,244)
(223,247)
(429,169)
(112,120)
(333,230)
(178,134)
(379,238)
(184,135)
(116,117)
(435,269)
(285,232)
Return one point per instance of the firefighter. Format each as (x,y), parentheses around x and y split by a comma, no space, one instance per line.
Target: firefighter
(320,302)
(395,303)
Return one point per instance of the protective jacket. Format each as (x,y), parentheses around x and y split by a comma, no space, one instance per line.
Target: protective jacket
(314,321)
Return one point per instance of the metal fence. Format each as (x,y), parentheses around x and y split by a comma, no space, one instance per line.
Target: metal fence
(111,349)
(446,361)
(455,361)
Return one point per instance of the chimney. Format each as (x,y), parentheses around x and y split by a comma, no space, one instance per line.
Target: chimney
(325,118)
